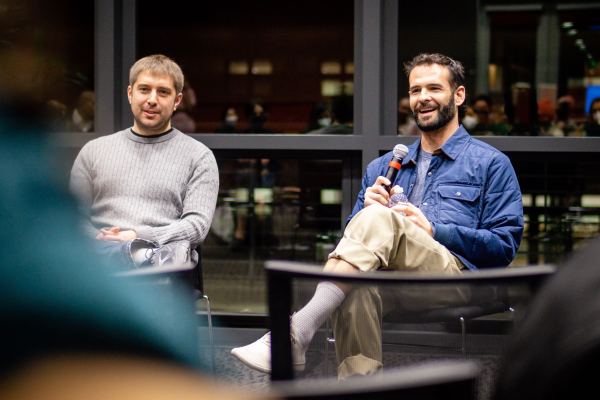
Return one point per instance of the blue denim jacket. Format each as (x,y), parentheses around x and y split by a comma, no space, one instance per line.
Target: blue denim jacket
(471,198)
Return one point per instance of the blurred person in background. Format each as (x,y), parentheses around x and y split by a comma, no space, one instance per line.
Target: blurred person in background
(257,117)
(407,125)
(546,112)
(483,119)
(70,328)
(230,121)
(342,114)
(319,117)
(592,124)
(82,117)
(564,124)
(182,118)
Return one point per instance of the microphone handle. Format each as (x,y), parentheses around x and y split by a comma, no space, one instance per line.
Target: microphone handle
(392,172)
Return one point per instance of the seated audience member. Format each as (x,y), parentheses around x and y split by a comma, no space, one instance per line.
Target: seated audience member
(82,118)
(342,114)
(257,117)
(406,120)
(563,124)
(230,121)
(553,353)
(182,119)
(545,116)
(483,119)
(319,117)
(592,125)
(55,116)
(149,191)
(465,213)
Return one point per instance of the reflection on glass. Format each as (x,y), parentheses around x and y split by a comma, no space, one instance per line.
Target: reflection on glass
(47,58)
(262,67)
(331,68)
(268,209)
(236,53)
(238,68)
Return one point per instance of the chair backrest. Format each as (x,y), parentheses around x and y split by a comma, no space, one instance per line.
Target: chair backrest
(555,352)
(280,275)
(196,277)
(427,381)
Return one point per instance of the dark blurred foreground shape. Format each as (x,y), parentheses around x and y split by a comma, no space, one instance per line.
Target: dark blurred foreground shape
(555,354)
(71,328)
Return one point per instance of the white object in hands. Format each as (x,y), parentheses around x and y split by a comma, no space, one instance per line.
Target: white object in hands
(398,198)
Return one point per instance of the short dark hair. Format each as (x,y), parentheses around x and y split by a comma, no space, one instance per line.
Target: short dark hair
(483,97)
(457,71)
(342,108)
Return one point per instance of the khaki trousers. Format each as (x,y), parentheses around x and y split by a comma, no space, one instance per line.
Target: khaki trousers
(380,238)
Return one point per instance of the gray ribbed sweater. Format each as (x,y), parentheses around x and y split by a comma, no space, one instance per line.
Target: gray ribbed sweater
(165,188)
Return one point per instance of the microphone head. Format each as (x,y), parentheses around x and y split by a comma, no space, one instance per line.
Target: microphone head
(400,151)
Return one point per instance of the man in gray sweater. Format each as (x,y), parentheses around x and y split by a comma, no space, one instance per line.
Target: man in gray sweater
(149,183)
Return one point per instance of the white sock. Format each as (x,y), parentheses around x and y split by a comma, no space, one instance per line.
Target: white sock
(327,298)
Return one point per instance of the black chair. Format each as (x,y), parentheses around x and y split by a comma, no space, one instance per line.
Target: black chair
(191,274)
(428,381)
(280,275)
(484,301)
(196,278)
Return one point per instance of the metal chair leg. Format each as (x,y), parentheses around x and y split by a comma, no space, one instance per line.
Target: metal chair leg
(210,332)
(463,332)
(329,339)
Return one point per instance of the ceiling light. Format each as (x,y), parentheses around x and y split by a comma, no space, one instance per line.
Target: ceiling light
(567,24)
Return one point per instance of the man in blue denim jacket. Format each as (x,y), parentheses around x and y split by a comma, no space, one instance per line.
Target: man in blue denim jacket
(464,211)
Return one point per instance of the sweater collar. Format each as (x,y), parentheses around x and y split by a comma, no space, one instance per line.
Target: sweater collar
(163,137)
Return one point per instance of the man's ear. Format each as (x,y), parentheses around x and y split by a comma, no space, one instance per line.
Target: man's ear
(178,100)
(459,96)
(129,92)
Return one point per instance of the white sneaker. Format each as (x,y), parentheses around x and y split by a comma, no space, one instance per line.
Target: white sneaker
(257,355)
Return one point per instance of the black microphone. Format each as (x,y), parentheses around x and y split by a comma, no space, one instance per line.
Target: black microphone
(400,151)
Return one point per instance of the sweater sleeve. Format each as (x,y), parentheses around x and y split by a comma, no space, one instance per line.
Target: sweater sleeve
(80,185)
(198,207)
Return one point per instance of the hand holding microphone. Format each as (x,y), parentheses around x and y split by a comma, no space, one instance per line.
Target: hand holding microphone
(400,151)
(381,189)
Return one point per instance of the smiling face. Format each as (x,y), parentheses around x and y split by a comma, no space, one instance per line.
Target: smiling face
(153,100)
(433,101)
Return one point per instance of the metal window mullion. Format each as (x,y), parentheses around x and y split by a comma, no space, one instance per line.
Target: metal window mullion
(104,66)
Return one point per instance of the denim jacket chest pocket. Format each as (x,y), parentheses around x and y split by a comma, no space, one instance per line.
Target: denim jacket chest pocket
(459,204)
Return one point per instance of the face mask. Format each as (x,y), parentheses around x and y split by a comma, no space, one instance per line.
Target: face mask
(324,122)
(596,116)
(232,120)
(469,121)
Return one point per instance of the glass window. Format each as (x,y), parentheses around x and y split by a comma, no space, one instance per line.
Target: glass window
(446,29)
(261,66)
(268,208)
(579,79)
(47,53)
(561,201)
(535,71)
(509,106)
